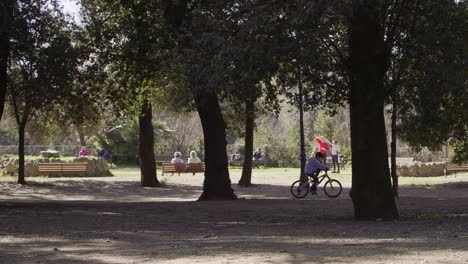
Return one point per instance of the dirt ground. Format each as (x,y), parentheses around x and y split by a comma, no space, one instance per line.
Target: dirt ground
(113,220)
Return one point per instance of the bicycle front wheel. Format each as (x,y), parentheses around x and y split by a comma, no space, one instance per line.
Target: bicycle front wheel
(332,188)
(300,189)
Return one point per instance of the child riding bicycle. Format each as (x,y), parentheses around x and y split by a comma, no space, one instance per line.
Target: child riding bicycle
(313,168)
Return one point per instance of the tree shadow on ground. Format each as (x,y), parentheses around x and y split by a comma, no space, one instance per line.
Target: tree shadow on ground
(120,222)
(298,230)
(131,191)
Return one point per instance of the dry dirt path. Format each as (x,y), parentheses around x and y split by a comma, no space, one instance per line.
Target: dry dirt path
(113,220)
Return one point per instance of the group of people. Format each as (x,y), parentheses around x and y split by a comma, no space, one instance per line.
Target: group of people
(192,159)
(317,162)
(103,153)
(257,155)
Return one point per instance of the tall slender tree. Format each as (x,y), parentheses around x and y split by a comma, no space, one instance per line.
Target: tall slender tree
(130,42)
(42,62)
(423,37)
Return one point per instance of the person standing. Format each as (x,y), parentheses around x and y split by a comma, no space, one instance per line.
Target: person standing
(335,151)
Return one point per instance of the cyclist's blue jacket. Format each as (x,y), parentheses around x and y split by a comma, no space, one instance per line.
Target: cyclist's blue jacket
(314,166)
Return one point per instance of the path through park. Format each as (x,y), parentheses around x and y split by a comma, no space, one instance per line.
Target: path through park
(113,220)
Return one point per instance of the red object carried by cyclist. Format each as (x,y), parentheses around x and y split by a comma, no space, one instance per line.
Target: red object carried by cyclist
(323,147)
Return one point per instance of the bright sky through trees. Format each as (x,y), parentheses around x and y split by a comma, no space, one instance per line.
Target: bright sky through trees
(71,7)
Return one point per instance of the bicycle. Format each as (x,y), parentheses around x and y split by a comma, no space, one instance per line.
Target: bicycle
(332,187)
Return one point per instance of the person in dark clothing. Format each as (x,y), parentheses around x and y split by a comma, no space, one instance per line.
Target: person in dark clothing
(313,167)
(105,154)
(257,155)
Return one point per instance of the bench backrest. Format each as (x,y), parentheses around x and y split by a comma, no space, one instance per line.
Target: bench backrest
(196,167)
(63,167)
(173,167)
(183,167)
(455,166)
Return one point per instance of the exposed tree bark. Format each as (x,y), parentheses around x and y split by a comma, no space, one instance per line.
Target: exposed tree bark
(393,149)
(21,121)
(246,178)
(371,190)
(302,176)
(6,8)
(147,160)
(217,184)
(81,135)
(21,133)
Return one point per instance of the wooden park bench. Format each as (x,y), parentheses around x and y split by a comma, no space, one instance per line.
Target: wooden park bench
(65,168)
(179,168)
(455,168)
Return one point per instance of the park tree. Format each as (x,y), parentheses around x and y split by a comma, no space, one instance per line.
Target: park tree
(130,42)
(438,65)
(247,60)
(371,190)
(426,51)
(194,28)
(6,9)
(41,63)
(85,113)
(308,75)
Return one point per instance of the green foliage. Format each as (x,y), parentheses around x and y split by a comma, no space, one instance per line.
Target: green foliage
(324,125)
(122,141)
(41,62)
(426,81)
(460,150)
(294,136)
(131,46)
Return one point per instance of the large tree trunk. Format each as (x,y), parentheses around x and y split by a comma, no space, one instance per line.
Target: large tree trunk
(246,178)
(217,184)
(147,159)
(393,150)
(5,18)
(21,133)
(81,135)
(371,190)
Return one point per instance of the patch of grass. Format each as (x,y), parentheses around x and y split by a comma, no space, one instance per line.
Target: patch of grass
(427,216)
(126,166)
(125,172)
(419,186)
(458,215)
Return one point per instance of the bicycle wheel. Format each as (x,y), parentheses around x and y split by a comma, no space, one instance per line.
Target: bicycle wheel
(332,188)
(299,190)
